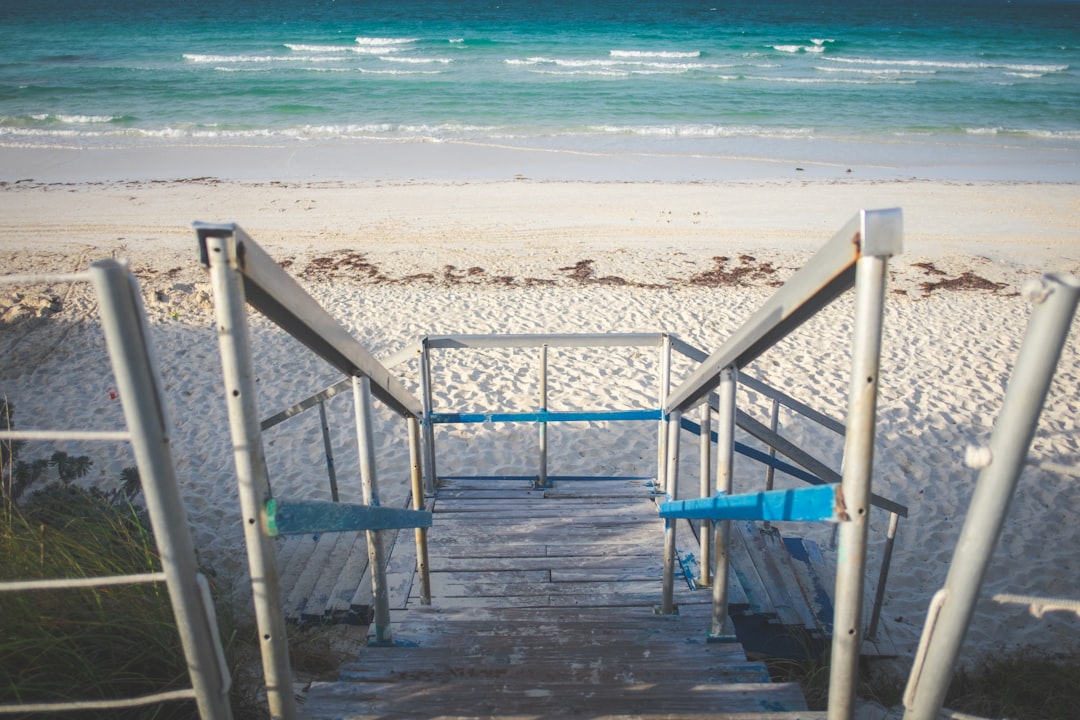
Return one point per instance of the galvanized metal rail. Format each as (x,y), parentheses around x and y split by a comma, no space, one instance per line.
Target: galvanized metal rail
(1054,301)
(857,256)
(242,273)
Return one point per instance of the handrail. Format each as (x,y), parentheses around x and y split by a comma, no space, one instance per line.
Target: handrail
(539,340)
(831,271)
(1054,302)
(241,273)
(856,257)
(278,296)
(693,353)
(123,322)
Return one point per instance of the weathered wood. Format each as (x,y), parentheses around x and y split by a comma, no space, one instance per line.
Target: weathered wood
(349,576)
(744,569)
(318,600)
(545,607)
(571,563)
(490,698)
(775,582)
(300,590)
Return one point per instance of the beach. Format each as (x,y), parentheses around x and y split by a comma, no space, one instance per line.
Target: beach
(534,168)
(398,260)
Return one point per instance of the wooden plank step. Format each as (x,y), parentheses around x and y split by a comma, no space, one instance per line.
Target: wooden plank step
(576,671)
(790,585)
(615,599)
(816,579)
(480,697)
(444,587)
(516,657)
(568,563)
(567,532)
(349,577)
(775,583)
(318,601)
(441,618)
(470,501)
(743,568)
(307,573)
(554,514)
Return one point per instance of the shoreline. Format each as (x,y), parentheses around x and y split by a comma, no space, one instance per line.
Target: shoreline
(1030,227)
(961,159)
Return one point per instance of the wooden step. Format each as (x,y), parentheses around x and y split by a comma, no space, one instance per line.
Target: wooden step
(470,698)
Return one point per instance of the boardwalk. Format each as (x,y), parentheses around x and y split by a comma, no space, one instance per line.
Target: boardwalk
(544,608)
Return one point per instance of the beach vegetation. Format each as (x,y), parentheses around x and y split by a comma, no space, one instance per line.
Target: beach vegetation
(88,643)
(116,641)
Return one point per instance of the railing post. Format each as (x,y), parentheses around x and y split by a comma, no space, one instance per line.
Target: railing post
(705,490)
(417,479)
(667,604)
(1055,303)
(328,449)
(883,576)
(365,435)
(770,471)
(427,426)
(870,277)
(252,477)
(725,470)
(662,431)
(542,477)
(140,392)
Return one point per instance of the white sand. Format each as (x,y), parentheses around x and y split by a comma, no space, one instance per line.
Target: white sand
(946,360)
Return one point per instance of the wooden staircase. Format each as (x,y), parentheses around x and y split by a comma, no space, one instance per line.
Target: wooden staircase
(544,608)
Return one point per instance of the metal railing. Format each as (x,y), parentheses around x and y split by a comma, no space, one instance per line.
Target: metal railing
(142,400)
(809,469)
(241,273)
(803,466)
(856,257)
(1054,301)
(424,349)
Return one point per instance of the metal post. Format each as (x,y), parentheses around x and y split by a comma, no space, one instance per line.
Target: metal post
(662,431)
(1051,317)
(667,604)
(705,490)
(418,504)
(725,471)
(329,451)
(251,474)
(883,576)
(365,438)
(427,427)
(870,276)
(770,471)
(139,386)
(542,479)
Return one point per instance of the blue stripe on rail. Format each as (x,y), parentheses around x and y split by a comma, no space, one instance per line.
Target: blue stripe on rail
(545,416)
(820,502)
(316,516)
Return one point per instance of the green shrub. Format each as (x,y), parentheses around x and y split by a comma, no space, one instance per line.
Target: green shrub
(85,644)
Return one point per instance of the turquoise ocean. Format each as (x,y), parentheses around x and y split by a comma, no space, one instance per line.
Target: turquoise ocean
(672,76)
